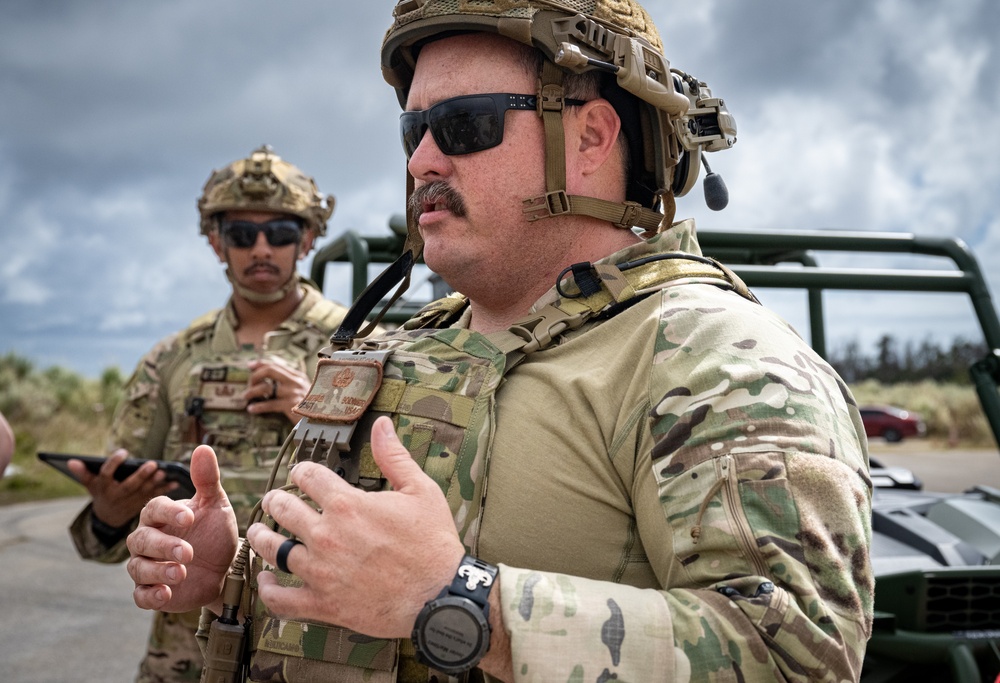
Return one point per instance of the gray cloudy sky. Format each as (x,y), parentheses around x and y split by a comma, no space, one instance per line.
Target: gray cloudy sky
(857,114)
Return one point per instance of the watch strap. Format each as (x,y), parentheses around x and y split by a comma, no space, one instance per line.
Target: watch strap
(473,580)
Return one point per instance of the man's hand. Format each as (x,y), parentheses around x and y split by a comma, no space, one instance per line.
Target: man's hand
(116,503)
(181,551)
(276,387)
(369,560)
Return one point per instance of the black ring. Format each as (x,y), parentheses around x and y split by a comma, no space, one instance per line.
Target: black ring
(274,389)
(282,559)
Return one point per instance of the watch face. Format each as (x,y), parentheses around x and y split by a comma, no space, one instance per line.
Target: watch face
(453,635)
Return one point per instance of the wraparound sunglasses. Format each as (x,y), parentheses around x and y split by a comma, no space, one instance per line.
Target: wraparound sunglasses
(279,232)
(464,124)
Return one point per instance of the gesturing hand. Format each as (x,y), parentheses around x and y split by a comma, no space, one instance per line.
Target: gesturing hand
(369,560)
(181,551)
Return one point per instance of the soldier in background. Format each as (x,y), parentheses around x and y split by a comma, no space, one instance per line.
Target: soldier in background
(605,460)
(230,379)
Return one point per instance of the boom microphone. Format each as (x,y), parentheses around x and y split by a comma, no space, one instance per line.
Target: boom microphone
(716,192)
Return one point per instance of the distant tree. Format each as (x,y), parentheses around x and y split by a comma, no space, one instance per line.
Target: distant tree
(925,360)
(887,369)
(851,363)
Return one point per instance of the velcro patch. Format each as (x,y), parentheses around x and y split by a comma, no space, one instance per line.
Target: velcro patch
(222,386)
(342,390)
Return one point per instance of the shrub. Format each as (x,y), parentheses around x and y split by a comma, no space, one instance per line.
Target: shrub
(52,410)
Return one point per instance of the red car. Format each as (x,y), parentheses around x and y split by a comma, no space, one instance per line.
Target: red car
(891,423)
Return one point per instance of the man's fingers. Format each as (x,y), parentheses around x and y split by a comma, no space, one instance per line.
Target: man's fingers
(145,572)
(150,543)
(290,511)
(162,511)
(321,484)
(80,471)
(113,461)
(268,367)
(267,544)
(151,597)
(299,603)
(147,478)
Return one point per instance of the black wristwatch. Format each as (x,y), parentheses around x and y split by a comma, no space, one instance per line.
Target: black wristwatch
(452,631)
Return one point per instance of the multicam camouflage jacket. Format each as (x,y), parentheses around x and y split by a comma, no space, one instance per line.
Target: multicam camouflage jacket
(185,392)
(678,487)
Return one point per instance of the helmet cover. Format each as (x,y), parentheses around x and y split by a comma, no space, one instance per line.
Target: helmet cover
(264,182)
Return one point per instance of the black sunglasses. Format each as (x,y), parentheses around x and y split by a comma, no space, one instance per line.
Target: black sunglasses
(279,232)
(464,124)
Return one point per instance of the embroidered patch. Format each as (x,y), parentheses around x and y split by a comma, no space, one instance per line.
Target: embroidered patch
(342,391)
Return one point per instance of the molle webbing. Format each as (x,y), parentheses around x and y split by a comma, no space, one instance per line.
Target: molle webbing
(439,385)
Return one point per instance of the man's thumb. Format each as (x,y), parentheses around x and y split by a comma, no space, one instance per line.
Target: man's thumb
(391,455)
(205,472)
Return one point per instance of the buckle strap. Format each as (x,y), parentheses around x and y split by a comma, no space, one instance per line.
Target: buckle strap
(622,215)
(538,330)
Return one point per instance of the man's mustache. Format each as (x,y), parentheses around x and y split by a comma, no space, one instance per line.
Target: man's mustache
(261,265)
(437,192)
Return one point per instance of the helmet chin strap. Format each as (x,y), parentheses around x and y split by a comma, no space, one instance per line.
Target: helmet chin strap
(259,297)
(555,201)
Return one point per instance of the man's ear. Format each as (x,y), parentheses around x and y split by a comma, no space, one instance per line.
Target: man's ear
(595,134)
(216,241)
(308,238)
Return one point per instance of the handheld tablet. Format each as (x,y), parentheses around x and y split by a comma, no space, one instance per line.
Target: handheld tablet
(175,471)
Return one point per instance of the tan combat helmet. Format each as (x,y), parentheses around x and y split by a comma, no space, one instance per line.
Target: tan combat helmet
(264,182)
(677,115)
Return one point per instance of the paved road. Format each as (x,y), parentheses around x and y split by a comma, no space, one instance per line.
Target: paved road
(941,469)
(63,620)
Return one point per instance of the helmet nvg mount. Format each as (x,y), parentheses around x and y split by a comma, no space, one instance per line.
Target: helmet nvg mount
(264,182)
(677,116)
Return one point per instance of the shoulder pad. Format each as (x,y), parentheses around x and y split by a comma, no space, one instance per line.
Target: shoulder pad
(322,312)
(200,327)
(440,313)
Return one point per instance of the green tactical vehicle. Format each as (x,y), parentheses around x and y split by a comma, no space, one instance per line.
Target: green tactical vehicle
(936,556)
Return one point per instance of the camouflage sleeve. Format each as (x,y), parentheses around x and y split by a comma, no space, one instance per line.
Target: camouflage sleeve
(90,547)
(763,524)
(140,426)
(143,417)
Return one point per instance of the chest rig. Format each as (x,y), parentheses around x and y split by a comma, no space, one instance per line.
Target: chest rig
(207,406)
(438,384)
